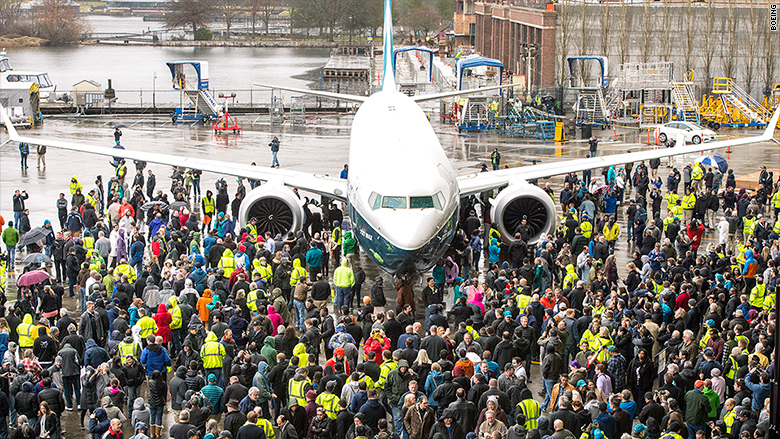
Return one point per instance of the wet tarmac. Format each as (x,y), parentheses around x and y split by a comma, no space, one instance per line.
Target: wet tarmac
(321,147)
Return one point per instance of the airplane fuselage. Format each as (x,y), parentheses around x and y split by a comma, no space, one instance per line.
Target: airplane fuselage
(402,193)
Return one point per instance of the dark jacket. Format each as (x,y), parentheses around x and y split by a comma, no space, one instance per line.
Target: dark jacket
(54,398)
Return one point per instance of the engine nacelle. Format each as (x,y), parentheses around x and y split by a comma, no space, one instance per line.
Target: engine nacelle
(276,208)
(523,200)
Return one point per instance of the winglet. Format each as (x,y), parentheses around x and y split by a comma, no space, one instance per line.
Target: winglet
(8,124)
(388,70)
(769,132)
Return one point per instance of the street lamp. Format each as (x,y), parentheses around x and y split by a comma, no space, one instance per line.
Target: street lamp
(350,28)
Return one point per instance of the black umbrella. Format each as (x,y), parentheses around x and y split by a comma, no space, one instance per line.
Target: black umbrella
(35,235)
(38,258)
(177,205)
(151,204)
(121,125)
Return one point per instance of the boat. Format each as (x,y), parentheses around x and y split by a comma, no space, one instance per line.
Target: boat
(21,92)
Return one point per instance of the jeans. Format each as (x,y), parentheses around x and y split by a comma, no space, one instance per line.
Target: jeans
(133,392)
(398,422)
(475,254)
(24,161)
(12,407)
(343,296)
(548,386)
(692,429)
(157,414)
(196,187)
(71,385)
(301,308)
(71,288)
(275,161)
(176,344)
(11,257)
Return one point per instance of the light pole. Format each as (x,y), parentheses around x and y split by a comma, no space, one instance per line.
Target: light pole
(350,28)
(154,90)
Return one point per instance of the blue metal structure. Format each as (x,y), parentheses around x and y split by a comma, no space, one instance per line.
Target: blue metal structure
(419,49)
(603,62)
(465,63)
(177,73)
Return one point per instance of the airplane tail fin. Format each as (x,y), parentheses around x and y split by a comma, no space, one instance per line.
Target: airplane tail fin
(388,71)
(12,133)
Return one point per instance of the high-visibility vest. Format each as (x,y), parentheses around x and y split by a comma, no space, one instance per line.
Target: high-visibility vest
(776,228)
(126,349)
(729,419)
(668,220)
(671,199)
(689,202)
(697,173)
(705,339)
(769,302)
(531,410)
(776,199)
(212,353)
(176,317)
(266,272)
(265,424)
(677,211)
(384,371)
(208,205)
(251,229)
(337,235)
(75,186)
(330,403)
(295,391)
(658,288)
(147,325)
(587,229)
(251,300)
(228,264)
(733,369)
(26,337)
(96,262)
(89,243)
(495,234)
(296,275)
(91,200)
(604,354)
(611,233)
(747,225)
(757,296)
(121,170)
(570,280)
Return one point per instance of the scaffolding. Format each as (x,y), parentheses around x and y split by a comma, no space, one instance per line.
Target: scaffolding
(729,105)
(277,106)
(590,107)
(647,93)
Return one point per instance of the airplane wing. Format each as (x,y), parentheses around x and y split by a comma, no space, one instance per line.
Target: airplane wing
(479,182)
(324,94)
(449,94)
(319,184)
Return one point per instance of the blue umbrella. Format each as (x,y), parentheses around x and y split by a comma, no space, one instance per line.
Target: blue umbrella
(714,160)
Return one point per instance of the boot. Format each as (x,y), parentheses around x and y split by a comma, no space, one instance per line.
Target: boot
(155,431)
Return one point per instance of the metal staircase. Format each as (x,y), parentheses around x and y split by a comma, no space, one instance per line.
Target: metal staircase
(685,101)
(204,103)
(591,107)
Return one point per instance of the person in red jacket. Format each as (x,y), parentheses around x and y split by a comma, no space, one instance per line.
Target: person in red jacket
(695,232)
(339,356)
(378,343)
(163,319)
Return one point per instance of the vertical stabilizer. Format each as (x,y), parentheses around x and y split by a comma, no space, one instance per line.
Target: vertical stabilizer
(388,70)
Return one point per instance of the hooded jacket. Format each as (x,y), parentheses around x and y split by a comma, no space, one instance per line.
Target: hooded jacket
(155,357)
(178,388)
(99,424)
(227,262)
(280,305)
(94,355)
(212,353)
(269,350)
(141,412)
(343,277)
(350,243)
(163,320)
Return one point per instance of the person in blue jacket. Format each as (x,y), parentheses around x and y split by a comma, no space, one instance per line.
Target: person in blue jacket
(154,356)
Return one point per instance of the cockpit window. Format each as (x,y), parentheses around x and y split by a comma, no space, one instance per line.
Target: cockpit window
(420,202)
(375,201)
(394,202)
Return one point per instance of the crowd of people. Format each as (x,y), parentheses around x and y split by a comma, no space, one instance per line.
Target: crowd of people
(248,333)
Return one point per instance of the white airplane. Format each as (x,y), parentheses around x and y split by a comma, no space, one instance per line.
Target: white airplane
(402,194)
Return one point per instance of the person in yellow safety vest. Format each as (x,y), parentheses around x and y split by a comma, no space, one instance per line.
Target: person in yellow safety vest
(125,269)
(776,203)
(688,203)
(251,297)
(175,312)
(146,324)
(387,366)
(494,233)
(129,348)
(266,271)
(604,342)
(212,354)
(208,205)
(591,334)
(611,230)
(95,261)
(731,414)
(697,173)
(328,401)
(586,227)
(748,223)
(297,272)
(776,228)
(26,331)
(336,233)
(732,364)
(3,278)
(678,210)
(88,242)
(571,277)
(75,185)
(251,227)
(298,386)
(770,302)
(266,425)
(757,294)
(669,219)
(671,199)
(227,262)
(530,408)
(121,172)
(473,332)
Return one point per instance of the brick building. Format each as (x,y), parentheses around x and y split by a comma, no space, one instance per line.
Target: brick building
(521,34)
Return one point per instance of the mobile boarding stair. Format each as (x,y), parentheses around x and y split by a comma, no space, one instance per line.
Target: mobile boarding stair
(732,106)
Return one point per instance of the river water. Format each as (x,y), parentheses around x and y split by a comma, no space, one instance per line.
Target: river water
(133,68)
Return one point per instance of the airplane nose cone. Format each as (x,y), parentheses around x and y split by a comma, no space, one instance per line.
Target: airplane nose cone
(412,230)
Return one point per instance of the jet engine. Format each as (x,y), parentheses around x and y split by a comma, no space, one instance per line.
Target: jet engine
(523,200)
(277,209)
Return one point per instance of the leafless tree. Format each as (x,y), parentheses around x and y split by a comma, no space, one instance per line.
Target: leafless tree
(751,45)
(708,51)
(728,43)
(563,40)
(689,23)
(666,31)
(647,31)
(624,41)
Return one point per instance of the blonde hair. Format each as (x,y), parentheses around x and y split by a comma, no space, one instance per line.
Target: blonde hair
(409,400)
